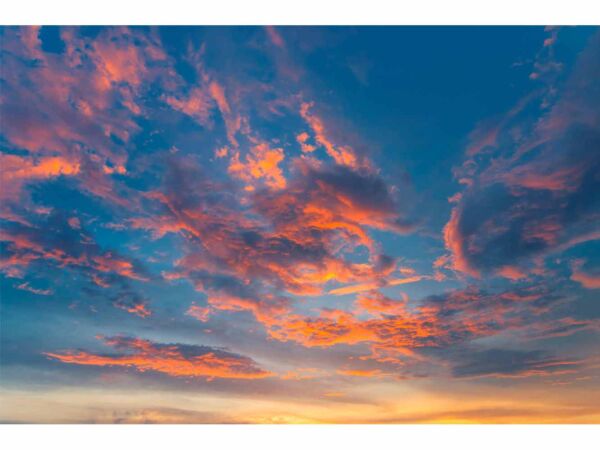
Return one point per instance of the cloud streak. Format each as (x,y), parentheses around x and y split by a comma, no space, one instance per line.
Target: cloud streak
(171,359)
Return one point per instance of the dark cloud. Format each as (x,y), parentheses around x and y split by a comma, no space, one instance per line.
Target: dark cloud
(512,363)
(54,239)
(502,224)
(536,194)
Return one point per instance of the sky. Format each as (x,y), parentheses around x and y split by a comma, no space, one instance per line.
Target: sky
(299,224)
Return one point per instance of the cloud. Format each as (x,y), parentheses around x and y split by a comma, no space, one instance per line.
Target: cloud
(232,121)
(275,37)
(177,360)
(51,240)
(27,287)
(133,303)
(293,227)
(512,363)
(69,113)
(292,243)
(17,171)
(197,105)
(398,332)
(198,312)
(343,155)
(535,194)
(360,373)
(302,139)
(292,239)
(586,279)
(163,416)
(262,163)
(391,327)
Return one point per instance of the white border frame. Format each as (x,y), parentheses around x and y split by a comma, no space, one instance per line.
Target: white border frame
(301,12)
(301,437)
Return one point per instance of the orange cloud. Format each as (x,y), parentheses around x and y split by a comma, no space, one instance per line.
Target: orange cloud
(261,163)
(171,359)
(360,373)
(377,304)
(392,331)
(218,94)
(139,309)
(82,98)
(512,273)
(15,171)
(44,168)
(198,312)
(342,155)
(266,310)
(110,263)
(197,105)
(232,122)
(295,238)
(160,225)
(587,280)
(455,243)
(221,152)
(26,244)
(330,328)
(118,62)
(302,138)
